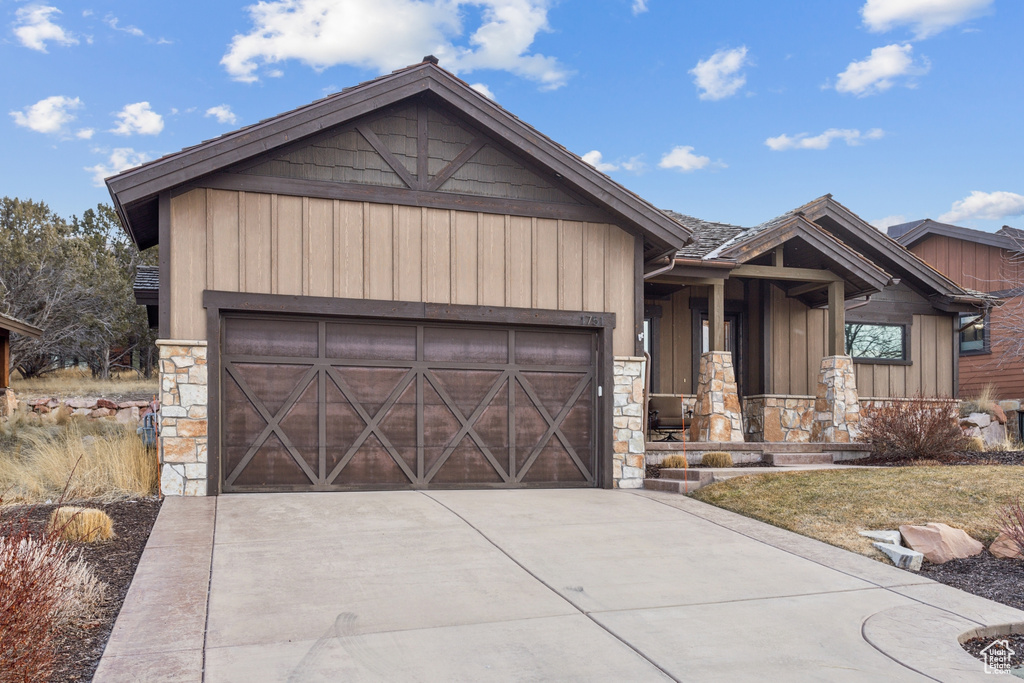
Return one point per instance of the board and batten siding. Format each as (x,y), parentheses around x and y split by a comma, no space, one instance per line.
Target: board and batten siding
(276,244)
(798,337)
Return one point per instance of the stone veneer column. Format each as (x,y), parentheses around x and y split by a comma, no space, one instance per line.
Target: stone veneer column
(836,404)
(183,417)
(717,415)
(629,447)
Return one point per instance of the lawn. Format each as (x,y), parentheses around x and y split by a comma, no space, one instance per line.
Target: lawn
(833,505)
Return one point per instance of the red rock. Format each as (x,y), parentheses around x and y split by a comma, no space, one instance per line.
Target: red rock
(999,414)
(1005,548)
(940,542)
(105,403)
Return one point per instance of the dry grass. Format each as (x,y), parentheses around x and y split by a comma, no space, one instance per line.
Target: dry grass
(833,505)
(674,461)
(984,402)
(68,383)
(716,459)
(80,525)
(95,459)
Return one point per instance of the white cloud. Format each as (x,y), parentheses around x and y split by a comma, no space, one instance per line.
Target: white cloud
(985,205)
(683,159)
(925,17)
(595,159)
(84,133)
(138,118)
(483,90)
(851,136)
(639,6)
(120,159)
(884,223)
(34,28)
(223,114)
(49,115)
(113,22)
(388,34)
(718,76)
(634,164)
(876,73)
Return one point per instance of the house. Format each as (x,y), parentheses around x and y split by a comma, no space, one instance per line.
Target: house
(405,286)
(988,262)
(7,326)
(813,304)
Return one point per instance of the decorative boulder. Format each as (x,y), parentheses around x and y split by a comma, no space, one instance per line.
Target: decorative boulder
(999,414)
(904,558)
(980,419)
(940,542)
(106,403)
(1005,548)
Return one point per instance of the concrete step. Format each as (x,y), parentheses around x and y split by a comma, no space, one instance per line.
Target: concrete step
(798,458)
(672,485)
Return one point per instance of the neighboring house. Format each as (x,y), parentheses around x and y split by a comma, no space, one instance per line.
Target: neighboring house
(7,326)
(988,262)
(785,298)
(405,286)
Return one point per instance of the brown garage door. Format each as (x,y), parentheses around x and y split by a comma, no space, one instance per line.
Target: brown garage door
(318,405)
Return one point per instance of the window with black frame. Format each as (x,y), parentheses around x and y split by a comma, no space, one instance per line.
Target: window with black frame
(973,334)
(878,342)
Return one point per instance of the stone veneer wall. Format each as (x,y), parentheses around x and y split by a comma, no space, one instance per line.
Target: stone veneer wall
(628,446)
(183,417)
(717,415)
(778,418)
(836,404)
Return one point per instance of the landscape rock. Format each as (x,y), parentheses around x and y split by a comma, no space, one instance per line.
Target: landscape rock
(106,403)
(993,434)
(883,536)
(79,403)
(102,412)
(36,402)
(1005,548)
(904,558)
(979,419)
(999,414)
(940,542)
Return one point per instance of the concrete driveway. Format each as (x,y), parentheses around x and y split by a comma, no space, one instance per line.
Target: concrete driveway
(521,585)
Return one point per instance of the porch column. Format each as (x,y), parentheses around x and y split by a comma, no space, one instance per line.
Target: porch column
(7,401)
(836,402)
(717,415)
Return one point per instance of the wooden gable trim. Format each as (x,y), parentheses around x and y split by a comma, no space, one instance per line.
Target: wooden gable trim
(23,328)
(321,189)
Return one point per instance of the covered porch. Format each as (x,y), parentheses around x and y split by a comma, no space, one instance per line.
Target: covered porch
(747,336)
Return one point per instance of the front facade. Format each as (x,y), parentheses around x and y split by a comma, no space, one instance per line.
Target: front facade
(398,286)
(404,286)
(988,262)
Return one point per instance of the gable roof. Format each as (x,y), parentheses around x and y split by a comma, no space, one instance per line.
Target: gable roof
(909,234)
(19,326)
(135,191)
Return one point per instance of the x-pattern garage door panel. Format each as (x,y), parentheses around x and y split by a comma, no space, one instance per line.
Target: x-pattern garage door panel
(325,405)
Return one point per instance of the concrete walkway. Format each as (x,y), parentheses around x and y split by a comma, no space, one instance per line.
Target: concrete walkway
(579,585)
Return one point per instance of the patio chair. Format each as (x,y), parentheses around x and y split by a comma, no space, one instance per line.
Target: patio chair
(665,415)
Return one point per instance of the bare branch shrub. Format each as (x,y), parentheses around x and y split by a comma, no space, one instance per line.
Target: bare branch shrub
(915,429)
(1011,522)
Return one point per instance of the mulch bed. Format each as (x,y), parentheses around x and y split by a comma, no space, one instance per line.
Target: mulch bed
(79,649)
(960,458)
(1016,642)
(984,575)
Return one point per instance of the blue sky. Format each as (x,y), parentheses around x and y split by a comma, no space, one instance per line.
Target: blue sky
(728,110)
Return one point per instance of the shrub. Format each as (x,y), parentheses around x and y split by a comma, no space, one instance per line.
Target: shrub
(44,586)
(1011,522)
(674,461)
(913,430)
(82,525)
(716,459)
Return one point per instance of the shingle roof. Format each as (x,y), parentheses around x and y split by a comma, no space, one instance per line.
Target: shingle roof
(707,235)
(147,278)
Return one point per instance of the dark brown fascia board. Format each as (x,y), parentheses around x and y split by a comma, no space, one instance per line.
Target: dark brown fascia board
(903,257)
(930,227)
(15,325)
(846,257)
(190,164)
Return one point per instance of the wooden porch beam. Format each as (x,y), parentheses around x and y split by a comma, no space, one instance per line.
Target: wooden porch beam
(777,259)
(716,316)
(784,273)
(800,290)
(836,319)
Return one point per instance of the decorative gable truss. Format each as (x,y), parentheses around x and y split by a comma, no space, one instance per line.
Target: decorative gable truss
(410,149)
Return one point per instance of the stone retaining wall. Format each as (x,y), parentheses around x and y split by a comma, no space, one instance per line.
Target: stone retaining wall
(183,413)
(127,412)
(628,444)
(778,417)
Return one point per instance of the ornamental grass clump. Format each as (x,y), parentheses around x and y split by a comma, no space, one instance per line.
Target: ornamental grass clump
(674,461)
(914,429)
(80,525)
(716,459)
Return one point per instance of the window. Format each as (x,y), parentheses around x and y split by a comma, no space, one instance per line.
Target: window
(973,334)
(871,341)
(707,335)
